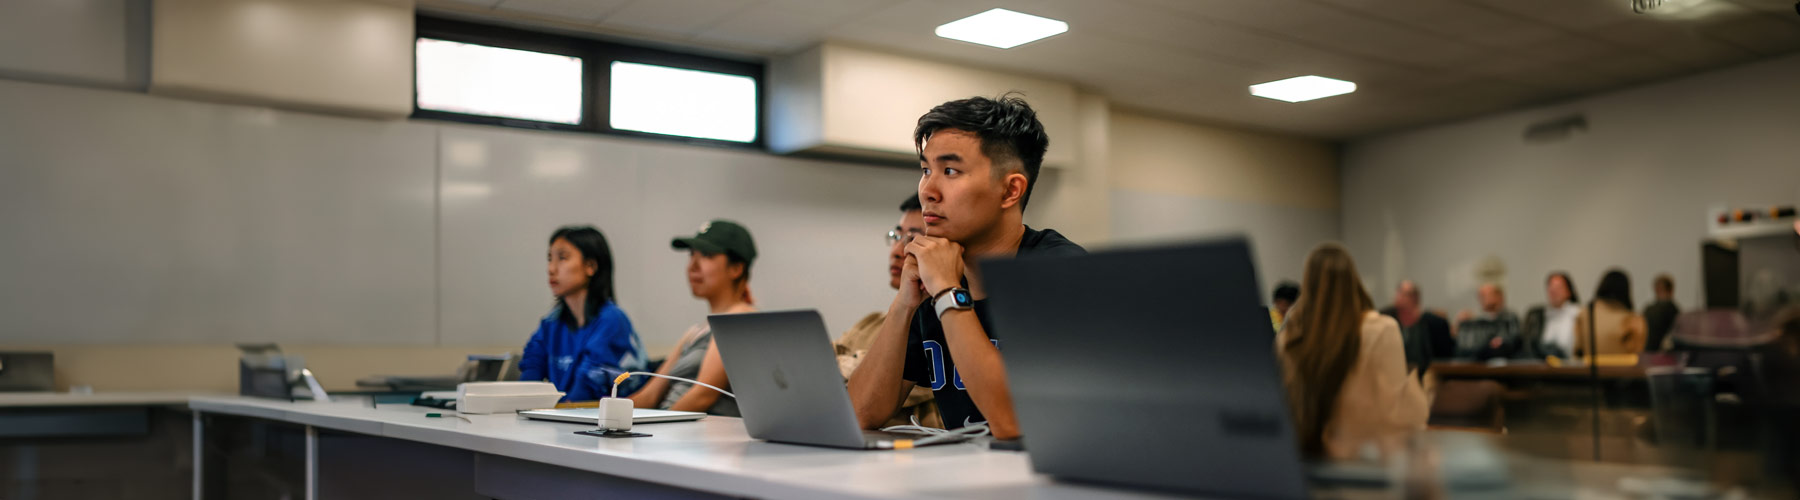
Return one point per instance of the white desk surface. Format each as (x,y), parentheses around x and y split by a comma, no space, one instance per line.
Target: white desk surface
(713,454)
(48,399)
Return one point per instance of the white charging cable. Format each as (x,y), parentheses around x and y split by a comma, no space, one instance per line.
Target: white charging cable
(621,379)
(616,412)
(933,434)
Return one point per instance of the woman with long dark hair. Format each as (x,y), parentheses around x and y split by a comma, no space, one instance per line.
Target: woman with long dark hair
(586,340)
(1344,364)
(1617,330)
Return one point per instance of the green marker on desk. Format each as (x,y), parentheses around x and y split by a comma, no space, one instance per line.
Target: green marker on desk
(440,415)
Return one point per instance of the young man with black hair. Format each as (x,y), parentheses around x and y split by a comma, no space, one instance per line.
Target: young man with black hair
(979,159)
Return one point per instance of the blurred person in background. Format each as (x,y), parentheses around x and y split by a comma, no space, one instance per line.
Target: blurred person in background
(1492,333)
(1616,329)
(1659,316)
(1425,335)
(1283,299)
(1549,329)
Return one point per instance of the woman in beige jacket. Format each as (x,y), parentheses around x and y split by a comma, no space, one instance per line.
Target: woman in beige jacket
(1617,329)
(1344,365)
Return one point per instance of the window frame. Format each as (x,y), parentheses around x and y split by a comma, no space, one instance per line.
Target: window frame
(596,57)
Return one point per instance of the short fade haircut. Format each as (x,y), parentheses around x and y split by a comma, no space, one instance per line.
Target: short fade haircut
(1008,128)
(911,205)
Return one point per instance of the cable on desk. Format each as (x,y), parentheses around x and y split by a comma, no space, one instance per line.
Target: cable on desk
(621,379)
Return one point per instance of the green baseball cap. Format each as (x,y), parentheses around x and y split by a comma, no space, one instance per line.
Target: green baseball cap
(720,236)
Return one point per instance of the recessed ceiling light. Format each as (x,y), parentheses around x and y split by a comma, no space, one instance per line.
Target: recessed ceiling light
(1302,88)
(1002,28)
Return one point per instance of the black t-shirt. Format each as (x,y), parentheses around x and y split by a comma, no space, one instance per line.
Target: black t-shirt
(928,361)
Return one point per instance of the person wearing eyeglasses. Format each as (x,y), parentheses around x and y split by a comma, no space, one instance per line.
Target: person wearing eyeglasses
(854,344)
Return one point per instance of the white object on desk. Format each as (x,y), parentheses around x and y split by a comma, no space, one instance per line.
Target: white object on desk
(591,416)
(498,397)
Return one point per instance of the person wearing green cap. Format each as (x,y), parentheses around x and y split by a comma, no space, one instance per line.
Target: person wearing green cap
(718,272)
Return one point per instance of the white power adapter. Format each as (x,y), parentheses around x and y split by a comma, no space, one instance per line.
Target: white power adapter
(615,414)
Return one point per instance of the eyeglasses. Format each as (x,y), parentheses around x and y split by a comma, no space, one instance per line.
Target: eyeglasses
(895,236)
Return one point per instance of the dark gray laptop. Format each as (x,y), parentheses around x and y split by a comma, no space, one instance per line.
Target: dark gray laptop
(788,387)
(1150,367)
(27,371)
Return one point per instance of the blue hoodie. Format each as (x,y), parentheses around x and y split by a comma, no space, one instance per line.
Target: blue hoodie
(582,362)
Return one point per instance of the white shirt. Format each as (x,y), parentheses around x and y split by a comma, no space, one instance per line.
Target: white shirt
(1559,326)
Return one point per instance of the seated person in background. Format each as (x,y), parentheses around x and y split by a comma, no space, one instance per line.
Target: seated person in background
(1550,328)
(1659,317)
(718,272)
(1492,334)
(1617,330)
(1343,365)
(1279,302)
(855,343)
(586,340)
(978,161)
(1425,335)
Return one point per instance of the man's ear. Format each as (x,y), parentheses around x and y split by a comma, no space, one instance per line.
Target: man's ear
(1014,184)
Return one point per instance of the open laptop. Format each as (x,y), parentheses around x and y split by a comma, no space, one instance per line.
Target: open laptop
(591,416)
(788,387)
(27,371)
(1151,367)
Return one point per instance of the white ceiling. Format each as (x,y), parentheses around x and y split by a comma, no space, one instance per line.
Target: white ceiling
(1415,62)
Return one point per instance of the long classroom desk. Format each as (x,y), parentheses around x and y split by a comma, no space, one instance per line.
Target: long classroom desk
(507,456)
(94,445)
(353,450)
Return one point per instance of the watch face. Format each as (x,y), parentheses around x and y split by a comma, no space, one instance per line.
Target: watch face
(962,298)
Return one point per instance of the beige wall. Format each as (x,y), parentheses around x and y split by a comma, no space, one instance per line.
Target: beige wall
(1632,190)
(1174,180)
(1076,200)
(340,56)
(1156,155)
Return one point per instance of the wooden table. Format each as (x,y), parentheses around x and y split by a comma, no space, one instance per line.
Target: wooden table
(1467,370)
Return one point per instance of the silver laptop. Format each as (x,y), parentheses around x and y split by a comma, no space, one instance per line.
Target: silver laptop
(591,416)
(1152,368)
(788,387)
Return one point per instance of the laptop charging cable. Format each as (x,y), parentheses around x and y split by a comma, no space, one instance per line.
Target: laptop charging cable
(615,412)
(932,435)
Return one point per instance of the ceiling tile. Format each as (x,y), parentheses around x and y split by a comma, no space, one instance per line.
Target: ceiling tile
(1573,15)
(1763,34)
(783,26)
(677,17)
(1327,27)
(1472,24)
(577,11)
(486,4)
(1678,43)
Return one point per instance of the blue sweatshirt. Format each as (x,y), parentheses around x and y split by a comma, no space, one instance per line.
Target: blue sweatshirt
(582,362)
